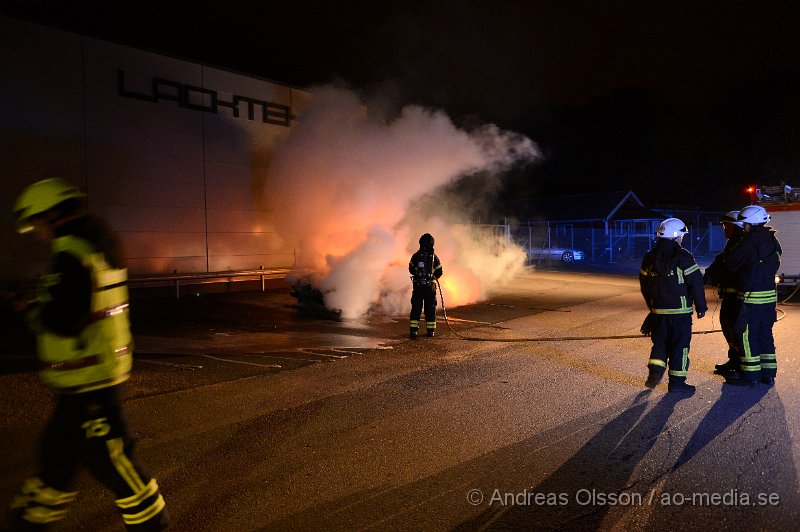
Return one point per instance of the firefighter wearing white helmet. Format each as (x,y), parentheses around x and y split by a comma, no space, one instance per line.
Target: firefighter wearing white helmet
(672,286)
(671,228)
(719,275)
(84,346)
(754,262)
(731,218)
(753,215)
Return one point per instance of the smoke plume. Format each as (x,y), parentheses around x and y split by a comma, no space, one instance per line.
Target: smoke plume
(355,192)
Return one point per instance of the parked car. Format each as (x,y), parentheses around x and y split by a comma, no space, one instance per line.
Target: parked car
(555,253)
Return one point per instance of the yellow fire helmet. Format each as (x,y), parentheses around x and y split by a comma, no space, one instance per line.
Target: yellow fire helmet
(40,197)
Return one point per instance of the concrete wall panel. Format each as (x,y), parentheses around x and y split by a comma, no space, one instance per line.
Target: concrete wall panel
(224,247)
(129,128)
(183,181)
(41,124)
(300,99)
(147,192)
(238,221)
(243,140)
(166,265)
(233,262)
(230,197)
(139,245)
(152,219)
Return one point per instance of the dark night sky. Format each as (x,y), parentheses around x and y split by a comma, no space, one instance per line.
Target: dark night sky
(685,102)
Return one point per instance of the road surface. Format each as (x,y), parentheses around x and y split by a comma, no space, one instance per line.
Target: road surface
(254,417)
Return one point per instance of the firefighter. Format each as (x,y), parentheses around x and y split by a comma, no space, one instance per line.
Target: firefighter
(425,270)
(84,346)
(671,284)
(718,275)
(755,261)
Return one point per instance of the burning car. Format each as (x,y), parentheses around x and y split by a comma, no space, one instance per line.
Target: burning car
(311,301)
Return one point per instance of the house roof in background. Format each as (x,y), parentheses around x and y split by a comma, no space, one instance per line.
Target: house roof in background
(617,205)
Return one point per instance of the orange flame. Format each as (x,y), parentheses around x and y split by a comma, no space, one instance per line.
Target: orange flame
(460,288)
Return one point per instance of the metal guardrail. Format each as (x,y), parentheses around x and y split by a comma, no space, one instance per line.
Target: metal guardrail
(170,279)
(185,279)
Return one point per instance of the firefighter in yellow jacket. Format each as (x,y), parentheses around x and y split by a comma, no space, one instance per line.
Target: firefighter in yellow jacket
(84,346)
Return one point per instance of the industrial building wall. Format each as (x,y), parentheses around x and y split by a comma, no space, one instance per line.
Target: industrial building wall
(172,153)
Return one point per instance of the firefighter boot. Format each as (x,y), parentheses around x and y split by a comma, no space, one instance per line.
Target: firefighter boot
(37,506)
(743,378)
(412,333)
(680,386)
(654,377)
(431,333)
(737,379)
(727,368)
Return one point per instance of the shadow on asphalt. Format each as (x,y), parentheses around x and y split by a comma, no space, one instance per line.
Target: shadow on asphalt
(631,454)
(604,465)
(732,404)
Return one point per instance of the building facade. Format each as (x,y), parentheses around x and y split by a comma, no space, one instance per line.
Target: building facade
(172,153)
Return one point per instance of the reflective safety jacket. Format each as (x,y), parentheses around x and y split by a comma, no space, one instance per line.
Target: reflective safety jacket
(755,261)
(424,267)
(719,274)
(99,354)
(670,280)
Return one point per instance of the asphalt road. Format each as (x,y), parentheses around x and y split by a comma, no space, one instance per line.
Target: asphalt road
(253,416)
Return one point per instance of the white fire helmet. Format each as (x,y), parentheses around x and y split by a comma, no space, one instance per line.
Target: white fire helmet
(753,215)
(731,217)
(671,228)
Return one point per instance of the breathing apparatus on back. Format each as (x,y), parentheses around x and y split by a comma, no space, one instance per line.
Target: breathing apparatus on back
(425,264)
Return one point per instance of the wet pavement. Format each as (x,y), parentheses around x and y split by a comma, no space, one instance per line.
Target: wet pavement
(360,428)
(214,337)
(226,336)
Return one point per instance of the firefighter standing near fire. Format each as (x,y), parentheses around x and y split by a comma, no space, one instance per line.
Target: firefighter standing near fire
(719,275)
(755,261)
(84,345)
(671,284)
(425,270)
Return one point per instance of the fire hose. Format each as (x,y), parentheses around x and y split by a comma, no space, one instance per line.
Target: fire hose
(561,338)
(794,292)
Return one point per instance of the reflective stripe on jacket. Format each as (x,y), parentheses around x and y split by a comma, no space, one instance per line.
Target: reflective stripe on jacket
(763,297)
(755,261)
(683,305)
(673,286)
(100,355)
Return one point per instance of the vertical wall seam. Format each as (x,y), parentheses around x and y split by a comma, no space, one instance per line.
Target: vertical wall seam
(85,123)
(205,177)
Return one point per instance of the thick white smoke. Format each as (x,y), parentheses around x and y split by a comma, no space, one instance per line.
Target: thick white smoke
(348,189)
